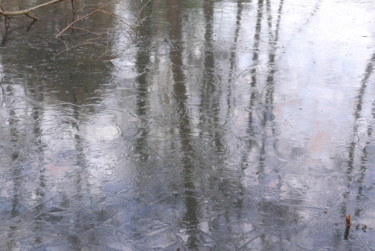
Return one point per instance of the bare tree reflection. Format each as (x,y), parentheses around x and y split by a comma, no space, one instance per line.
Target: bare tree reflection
(37,115)
(209,92)
(253,72)
(357,115)
(190,217)
(253,84)
(142,104)
(262,131)
(270,80)
(16,160)
(352,181)
(233,52)
(364,165)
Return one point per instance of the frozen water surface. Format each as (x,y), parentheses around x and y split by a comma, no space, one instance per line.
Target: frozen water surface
(224,125)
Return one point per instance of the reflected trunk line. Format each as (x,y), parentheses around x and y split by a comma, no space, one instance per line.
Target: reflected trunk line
(270,84)
(262,153)
(233,55)
(271,59)
(208,89)
(5,34)
(142,97)
(37,115)
(303,25)
(191,204)
(357,114)
(269,20)
(143,62)
(81,164)
(272,43)
(15,204)
(255,58)
(16,172)
(253,72)
(210,97)
(232,70)
(312,14)
(250,131)
(368,72)
(279,13)
(258,29)
(353,144)
(362,174)
(308,19)
(78,145)
(364,159)
(39,209)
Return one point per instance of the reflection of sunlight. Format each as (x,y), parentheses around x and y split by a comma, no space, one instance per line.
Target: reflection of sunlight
(92,132)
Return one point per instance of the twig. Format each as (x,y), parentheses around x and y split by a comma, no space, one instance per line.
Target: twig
(106,52)
(80,29)
(140,11)
(77,45)
(121,20)
(80,19)
(87,42)
(26,11)
(31,16)
(143,19)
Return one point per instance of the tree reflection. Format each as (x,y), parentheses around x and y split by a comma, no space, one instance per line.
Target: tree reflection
(142,98)
(233,56)
(253,72)
(190,217)
(39,91)
(15,164)
(37,116)
(268,115)
(355,149)
(182,176)
(262,132)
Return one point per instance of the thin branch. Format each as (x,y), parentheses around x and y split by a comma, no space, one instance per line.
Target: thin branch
(31,16)
(80,19)
(140,11)
(140,23)
(26,11)
(121,20)
(67,48)
(81,29)
(105,52)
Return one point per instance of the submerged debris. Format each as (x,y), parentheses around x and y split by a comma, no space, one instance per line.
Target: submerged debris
(348,224)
